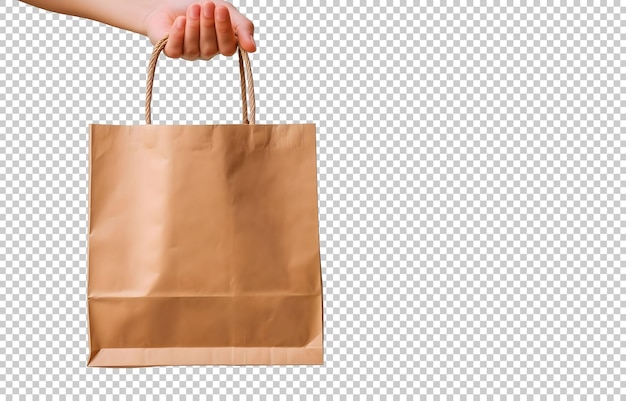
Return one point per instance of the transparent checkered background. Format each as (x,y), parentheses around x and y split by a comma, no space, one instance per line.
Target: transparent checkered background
(469,164)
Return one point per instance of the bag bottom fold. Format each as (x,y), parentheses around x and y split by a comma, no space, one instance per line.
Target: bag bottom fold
(176,356)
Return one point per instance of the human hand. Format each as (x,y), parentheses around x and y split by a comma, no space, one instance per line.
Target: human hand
(199,30)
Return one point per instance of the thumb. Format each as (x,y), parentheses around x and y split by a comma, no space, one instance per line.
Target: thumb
(244,28)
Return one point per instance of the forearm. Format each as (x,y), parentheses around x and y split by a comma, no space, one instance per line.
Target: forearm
(124,14)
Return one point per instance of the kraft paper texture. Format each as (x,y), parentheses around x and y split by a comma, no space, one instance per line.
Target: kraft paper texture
(203,245)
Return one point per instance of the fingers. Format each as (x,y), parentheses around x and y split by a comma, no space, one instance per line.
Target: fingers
(226,41)
(208,37)
(207,30)
(191,47)
(174,46)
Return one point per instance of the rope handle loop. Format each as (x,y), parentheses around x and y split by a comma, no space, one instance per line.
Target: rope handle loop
(245,76)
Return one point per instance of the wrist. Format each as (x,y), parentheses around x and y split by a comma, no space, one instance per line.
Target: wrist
(124,14)
(135,13)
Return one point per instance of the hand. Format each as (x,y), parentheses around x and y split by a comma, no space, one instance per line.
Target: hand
(199,30)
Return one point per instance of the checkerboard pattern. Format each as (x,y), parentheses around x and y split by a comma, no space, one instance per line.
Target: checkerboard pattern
(469,164)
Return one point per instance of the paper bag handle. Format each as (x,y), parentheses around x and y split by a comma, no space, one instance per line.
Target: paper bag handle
(243,59)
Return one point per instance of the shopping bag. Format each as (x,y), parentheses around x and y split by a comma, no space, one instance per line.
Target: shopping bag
(203,242)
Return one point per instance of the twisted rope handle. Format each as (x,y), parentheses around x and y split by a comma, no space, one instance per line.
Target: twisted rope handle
(245,75)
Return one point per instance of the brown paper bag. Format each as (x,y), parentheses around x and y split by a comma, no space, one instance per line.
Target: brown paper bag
(203,241)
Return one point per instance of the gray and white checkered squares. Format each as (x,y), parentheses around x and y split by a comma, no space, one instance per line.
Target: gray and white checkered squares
(469,177)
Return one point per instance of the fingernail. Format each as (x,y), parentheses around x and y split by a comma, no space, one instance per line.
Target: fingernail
(221,14)
(195,11)
(206,11)
(180,22)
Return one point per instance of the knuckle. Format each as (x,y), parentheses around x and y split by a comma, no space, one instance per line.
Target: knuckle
(223,29)
(192,54)
(207,51)
(229,51)
(173,53)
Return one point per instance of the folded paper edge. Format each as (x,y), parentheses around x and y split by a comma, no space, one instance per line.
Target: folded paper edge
(178,356)
(151,126)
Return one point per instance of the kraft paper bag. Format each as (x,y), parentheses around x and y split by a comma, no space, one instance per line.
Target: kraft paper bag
(203,241)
